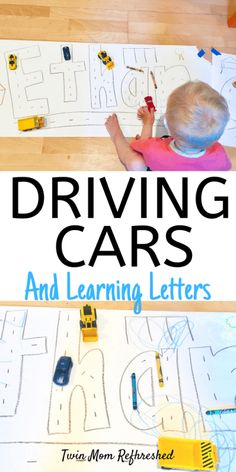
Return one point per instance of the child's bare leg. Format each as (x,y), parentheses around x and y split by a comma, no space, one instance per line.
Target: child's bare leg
(131,159)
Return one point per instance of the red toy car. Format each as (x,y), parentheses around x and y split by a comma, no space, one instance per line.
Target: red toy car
(149,103)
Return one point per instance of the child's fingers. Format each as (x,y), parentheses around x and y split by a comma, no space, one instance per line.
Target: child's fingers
(152,114)
(140,110)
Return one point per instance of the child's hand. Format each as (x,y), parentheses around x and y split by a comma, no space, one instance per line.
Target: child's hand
(145,115)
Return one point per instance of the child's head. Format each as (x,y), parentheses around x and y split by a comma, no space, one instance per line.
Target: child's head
(196,115)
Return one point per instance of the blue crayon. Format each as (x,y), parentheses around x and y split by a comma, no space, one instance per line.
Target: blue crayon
(134,391)
(221,411)
(214,51)
(201,53)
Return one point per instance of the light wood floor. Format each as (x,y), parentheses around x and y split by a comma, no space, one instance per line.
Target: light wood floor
(227,306)
(190,22)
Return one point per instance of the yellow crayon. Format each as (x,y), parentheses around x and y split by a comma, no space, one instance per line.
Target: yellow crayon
(159,370)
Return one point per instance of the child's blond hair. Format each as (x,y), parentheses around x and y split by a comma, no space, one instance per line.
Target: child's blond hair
(196,114)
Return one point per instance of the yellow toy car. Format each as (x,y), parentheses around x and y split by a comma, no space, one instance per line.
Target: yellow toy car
(187,454)
(106,60)
(12,61)
(88,323)
(31,122)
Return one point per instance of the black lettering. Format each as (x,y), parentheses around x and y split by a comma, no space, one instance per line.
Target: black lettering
(225,204)
(179,245)
(143,197)
(65,198)
(64,453)
(181,210)
(90,197)
(59,243)
(145,246)
(107,231)
(15,197)
(117,213)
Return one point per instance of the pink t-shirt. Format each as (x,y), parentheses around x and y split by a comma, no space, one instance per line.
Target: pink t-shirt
(158,155)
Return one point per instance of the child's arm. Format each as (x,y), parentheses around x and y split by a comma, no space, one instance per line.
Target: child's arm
(147,118)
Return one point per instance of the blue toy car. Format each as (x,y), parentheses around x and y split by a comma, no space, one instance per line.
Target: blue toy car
(66,53)
(62,372)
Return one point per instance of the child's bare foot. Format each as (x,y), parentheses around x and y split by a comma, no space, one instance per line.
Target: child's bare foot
(113,127)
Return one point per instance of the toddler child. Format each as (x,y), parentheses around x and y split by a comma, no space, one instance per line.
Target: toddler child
(196,117)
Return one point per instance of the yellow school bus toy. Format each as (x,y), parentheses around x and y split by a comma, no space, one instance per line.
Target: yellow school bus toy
(30,122)
(88,323)
(188,454)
